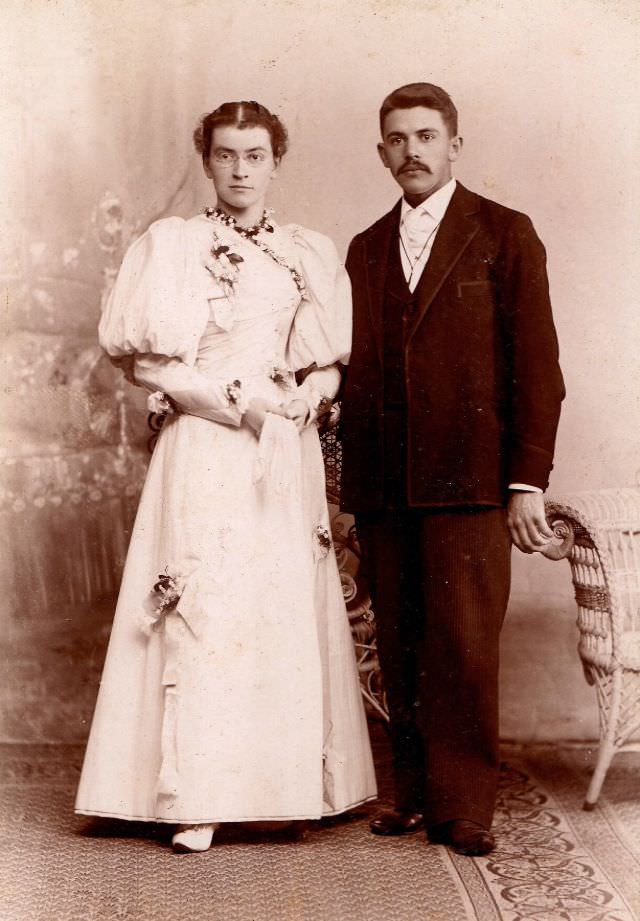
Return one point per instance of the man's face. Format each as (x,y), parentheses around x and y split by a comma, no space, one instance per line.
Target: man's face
(418,150)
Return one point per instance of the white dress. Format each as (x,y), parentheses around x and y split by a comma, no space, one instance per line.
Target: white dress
(240,702)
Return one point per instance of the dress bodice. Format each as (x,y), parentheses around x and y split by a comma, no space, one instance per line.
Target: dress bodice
(172,298)
(248,327)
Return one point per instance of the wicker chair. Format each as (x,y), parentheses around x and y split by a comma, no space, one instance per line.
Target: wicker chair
(356,593)
(599,533)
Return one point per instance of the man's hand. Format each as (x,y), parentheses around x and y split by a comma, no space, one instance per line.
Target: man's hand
(527,522)
(257,410)
(298,412)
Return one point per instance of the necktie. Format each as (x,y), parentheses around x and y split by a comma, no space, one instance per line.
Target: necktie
(418,226)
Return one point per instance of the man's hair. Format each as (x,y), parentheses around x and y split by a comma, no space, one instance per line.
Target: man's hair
(421,94)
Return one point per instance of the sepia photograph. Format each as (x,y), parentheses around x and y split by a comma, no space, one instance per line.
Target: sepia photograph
(320,460)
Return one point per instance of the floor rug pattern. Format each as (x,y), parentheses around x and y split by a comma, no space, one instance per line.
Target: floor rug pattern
(553,862)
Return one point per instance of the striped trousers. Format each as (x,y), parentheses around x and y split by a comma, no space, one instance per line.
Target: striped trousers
(439,580)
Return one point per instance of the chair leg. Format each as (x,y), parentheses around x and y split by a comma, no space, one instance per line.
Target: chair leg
(609,721)
(605,755)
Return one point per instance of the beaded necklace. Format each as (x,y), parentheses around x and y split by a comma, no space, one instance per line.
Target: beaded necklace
(265,222)
(252,234)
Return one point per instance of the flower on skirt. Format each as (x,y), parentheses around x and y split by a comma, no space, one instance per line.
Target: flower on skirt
(322,542)
(168,590)
(163,598)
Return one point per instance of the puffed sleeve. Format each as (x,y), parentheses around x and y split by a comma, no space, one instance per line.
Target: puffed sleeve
(321,330)
(152,308)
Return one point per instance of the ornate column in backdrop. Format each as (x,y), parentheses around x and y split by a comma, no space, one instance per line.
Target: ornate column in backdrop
(89,163)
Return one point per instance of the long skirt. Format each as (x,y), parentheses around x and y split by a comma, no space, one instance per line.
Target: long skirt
(230,691)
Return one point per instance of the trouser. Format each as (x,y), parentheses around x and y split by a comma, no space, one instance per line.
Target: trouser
(440,584)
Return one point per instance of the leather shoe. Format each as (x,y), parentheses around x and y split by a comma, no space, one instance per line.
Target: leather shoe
(397,823)
(465,837)
(193,839)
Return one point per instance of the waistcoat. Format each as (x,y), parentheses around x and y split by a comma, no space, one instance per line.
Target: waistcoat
(399,305)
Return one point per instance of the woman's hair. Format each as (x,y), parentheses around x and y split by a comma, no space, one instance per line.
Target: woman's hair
(240,115)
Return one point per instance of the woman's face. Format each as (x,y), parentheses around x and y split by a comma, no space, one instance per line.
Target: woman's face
(241,165)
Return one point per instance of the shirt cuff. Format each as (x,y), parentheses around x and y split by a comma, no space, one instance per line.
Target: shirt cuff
(524,487)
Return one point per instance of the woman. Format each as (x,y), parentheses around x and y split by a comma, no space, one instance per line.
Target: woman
(230,690)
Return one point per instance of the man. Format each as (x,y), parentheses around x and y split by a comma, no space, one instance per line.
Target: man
(449,415)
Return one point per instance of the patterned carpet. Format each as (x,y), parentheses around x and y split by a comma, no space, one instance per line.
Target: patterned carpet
(554,861)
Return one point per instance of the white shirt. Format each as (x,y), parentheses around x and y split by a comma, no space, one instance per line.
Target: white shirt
(431,211)
(430,214)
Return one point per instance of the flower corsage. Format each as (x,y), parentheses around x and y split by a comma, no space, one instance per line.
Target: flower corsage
(224,266)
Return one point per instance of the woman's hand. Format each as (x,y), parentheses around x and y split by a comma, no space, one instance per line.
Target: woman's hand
(298,412)
(257,410)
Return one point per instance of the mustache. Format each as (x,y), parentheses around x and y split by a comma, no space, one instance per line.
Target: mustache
(414,165)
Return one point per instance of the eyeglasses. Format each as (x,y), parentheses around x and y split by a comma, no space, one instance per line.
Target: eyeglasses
(227,158)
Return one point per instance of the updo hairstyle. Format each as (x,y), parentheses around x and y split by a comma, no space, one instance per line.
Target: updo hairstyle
(241,115)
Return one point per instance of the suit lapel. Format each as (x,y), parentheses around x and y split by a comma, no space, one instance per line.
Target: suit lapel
(455,233)
(376,255)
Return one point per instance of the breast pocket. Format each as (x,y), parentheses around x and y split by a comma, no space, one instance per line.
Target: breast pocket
(481,288)
(476,311)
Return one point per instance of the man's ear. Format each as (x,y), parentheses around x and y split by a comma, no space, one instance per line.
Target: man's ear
(382,153)
(455,148)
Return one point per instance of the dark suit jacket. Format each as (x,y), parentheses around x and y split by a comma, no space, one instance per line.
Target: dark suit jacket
(483,382)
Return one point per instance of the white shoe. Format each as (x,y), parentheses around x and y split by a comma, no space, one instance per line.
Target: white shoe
(193,838)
